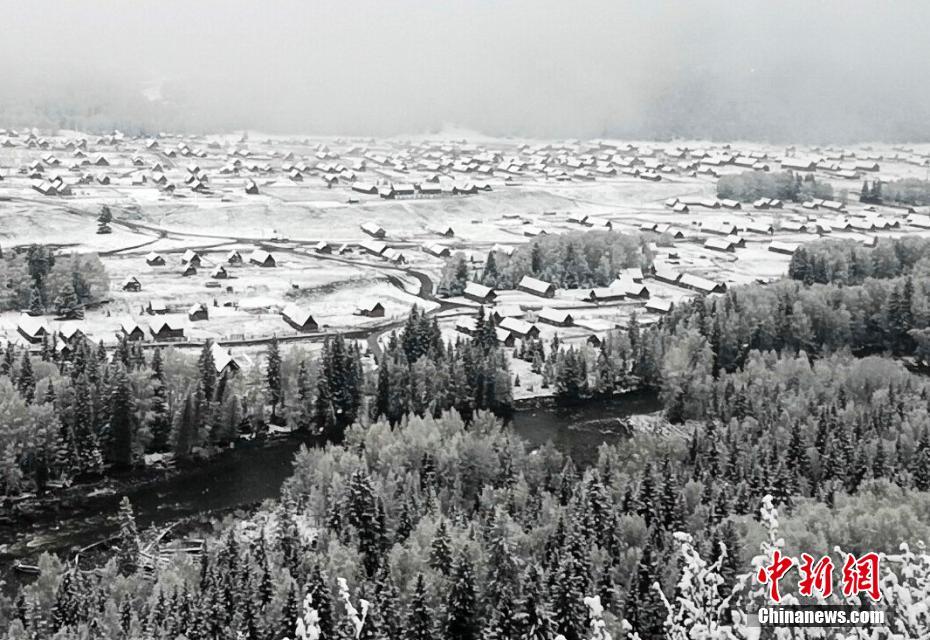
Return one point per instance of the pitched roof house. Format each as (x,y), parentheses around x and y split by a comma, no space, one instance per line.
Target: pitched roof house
(299,318)
(479,293)
(263,258)
(537,287)
(32,328)
(558,317)
(166,329)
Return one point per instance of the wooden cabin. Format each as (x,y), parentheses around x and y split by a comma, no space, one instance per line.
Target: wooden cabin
(373,229)
(263,258)
(299,318)
(557,317)
(198,312)
(191,257)
(370,309)
(537,287)
(131,283)
(479,293)
(131,330)
(166,329)
(520,328)
(32,328)
(156,308)
(223,361)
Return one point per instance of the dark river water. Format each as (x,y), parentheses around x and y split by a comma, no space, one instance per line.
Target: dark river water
(245,476)
(579,431)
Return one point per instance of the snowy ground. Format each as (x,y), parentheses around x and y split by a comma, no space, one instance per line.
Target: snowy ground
(290,216)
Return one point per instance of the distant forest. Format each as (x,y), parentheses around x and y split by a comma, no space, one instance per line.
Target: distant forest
(910,191)
(568,260)
(784,185)
(39,279)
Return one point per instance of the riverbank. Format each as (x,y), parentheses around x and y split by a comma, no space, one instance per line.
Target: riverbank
(243,477)
(58,499)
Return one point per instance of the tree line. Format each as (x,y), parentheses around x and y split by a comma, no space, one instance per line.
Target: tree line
(569,260)
(450,530)
(76,414)
(786,186)
(39,279)
(420,375)
(907,191)
(848,262)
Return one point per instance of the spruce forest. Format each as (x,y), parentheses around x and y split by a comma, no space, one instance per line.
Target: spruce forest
(413,511)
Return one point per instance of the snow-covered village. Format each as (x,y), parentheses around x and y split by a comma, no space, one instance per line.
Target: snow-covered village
(280,362)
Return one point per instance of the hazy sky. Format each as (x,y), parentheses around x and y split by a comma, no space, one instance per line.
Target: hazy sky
(778,70)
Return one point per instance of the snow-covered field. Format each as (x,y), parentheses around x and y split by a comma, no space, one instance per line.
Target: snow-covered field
(296,208)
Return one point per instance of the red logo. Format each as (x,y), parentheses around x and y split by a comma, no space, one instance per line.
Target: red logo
(860,575)
(774,572)
(817,577)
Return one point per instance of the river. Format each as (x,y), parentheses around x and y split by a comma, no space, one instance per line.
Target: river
(249,474)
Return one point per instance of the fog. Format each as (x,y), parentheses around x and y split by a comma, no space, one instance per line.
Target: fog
(779,71)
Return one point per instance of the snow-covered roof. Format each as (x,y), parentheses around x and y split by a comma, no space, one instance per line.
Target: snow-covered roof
(535,285)
(32,326)
(478,290)
(296,314)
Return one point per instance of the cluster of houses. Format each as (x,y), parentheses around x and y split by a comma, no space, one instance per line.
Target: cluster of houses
(815,216)
(629,285)
(191,261)
(433,186)
(398,169)
(35,330)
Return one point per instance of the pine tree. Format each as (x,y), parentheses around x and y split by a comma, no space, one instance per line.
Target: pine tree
(184,428)
(534,619)
(419,620)
(461,275)
(290,612)
(440,557)
(27,382)
(567,597)
(503,568)
(502,624)
(461,614)
(383,393)
(361,512)
(207,368)
(920,466)
(9,358)
(324,412)
(535,259)
(491,274)
(387,607)
(322,602)
(644,609)
(160,419)
(304,413)
(127,558)
(35,302)
(273,376)
(121,416)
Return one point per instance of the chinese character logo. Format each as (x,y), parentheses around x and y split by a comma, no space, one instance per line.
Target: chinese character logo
(859,575)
